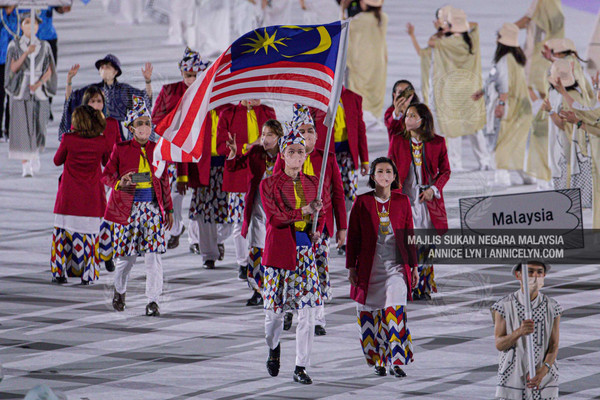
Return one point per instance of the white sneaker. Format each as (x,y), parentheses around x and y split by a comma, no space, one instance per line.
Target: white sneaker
(27,169)
(35,164)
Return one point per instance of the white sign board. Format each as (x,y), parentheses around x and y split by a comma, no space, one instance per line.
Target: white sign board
(557,211)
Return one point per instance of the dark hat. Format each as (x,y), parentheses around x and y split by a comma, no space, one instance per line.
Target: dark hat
(112,59)
(536,262)
(27,14)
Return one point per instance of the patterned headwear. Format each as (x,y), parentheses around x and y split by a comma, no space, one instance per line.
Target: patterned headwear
(138,110)
(192,62)
(301,116)
(290,136)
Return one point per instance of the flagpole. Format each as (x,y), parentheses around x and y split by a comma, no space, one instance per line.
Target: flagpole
(334,102)
(528,338)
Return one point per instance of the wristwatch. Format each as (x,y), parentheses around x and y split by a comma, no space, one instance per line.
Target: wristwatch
(548,365)
(579,123)
(501,103)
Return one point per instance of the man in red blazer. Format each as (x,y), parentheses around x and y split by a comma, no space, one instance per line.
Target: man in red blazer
(168,98)
(349,141)
(333,190)
(141,210)
(243,122)
(291,279)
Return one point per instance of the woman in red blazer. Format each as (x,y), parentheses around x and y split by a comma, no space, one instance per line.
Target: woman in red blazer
(393,118)
(80,201)
(382,267)
(260,163)
(140,207)
(291,279)
(423,170)
(94,97)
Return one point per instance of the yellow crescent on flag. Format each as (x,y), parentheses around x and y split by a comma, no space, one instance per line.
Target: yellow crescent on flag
(323,45)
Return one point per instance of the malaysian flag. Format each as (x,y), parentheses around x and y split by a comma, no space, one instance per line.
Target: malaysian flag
(300,64)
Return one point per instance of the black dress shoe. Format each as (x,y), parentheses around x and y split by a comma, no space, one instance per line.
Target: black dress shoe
(302,377)
(209,264)
(273,361)
(380,371)
(194,248)
(85,283)
(243,272)
(60,280)
(342,250)
(416,296)
(173,242)
(221,251)
(397,372)
(426,296)
(287,321)
(109,265)
(152,310)
(320,331)
(118,301)
(255,300)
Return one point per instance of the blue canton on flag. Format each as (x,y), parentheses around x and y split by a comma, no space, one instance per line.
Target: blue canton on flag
(286,43)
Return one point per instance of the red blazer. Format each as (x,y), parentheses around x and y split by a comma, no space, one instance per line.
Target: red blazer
(112,132)
(394,126)
(361,243)
(355,126)
(435,170)
(333,189)
(80,191)
(255,162)
(277,195)
(125,158)
(233,120)
(199,173)
(167,101)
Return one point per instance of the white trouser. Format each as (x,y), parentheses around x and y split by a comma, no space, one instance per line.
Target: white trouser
(177,213)
(193,233)
(154,274)
(305,332)
(479,146)
(241,245)
(320,315)
(210,235)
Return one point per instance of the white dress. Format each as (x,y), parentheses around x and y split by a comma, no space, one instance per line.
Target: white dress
(387,283)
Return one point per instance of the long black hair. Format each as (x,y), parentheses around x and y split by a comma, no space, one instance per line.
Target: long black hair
(427,129)
(466,37)
(502,50)
(415,98)
(383,160)
(574,53)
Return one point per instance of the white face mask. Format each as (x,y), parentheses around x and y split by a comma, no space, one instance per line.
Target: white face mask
(535,283)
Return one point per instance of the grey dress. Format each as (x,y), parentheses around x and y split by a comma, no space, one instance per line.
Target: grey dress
(29,112)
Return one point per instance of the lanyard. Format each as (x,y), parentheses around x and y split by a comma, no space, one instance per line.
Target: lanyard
(10,31)
(422,160)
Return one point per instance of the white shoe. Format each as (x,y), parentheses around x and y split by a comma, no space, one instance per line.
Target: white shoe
(27,169)
(35,164)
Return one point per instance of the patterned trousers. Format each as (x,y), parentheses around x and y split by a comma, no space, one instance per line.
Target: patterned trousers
(144,233)
(426,275)
(287,290)
(256,271)
(321,250)
(75,254)
(209,203)
(384,336)
(349,174)
(106,240)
